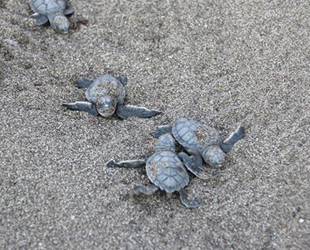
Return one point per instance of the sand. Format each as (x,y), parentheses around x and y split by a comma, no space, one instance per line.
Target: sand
(224,63)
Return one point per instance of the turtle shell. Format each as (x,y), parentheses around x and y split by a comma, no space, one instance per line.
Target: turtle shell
(106,86)
(166,171)
(46,7)
(194,137)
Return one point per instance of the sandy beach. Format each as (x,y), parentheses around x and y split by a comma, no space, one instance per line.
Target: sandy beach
(223,63)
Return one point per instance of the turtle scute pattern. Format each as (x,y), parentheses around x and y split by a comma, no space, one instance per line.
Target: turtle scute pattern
(48,6)
(106,86)
(207,135)
(166,171)
(183,131)
(194,136)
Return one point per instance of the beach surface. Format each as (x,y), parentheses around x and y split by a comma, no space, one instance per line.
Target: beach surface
(222,63)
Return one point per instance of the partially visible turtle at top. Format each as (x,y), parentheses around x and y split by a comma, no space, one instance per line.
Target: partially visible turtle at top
(165,170)
(105,97)
(54,11)
(201,141)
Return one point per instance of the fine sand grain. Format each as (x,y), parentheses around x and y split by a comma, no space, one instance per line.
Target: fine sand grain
(225,63)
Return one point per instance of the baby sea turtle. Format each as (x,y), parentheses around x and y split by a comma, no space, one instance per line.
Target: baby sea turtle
(105,97)
(165,170)
(201,141)
(54,11)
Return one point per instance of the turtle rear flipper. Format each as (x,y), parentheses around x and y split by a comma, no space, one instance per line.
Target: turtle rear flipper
(41,19)
(83,82)
(123,80)
(129,111)
(228,144)
(146,190)
(68,11)
(187,202)
(82,106)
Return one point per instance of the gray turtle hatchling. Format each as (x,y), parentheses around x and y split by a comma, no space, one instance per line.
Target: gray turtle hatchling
(164,169)
(201,141)
(54,11)
(105,97)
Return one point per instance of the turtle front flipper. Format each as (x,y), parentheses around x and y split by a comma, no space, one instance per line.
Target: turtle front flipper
(194,164)
(187,202)
(82,106)
(161,130)
(69,10)
(236,136)
(129,111)
(41,19)
(83,82)
(146,190)
(126,164)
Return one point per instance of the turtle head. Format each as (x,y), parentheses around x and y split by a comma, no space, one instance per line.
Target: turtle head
(106,106)
(214,156)
(166,143)
(61,24)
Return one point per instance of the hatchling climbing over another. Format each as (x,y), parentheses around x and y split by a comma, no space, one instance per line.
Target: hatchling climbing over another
(105,97)
(164,169)
(54,11)
(201,141)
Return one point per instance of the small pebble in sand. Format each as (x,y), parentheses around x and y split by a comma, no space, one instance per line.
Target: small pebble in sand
(301,221)
(11,42)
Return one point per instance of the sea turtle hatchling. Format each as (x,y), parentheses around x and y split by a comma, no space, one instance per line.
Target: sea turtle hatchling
(165,170)
(54,11)
(201,141)
(105,97)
